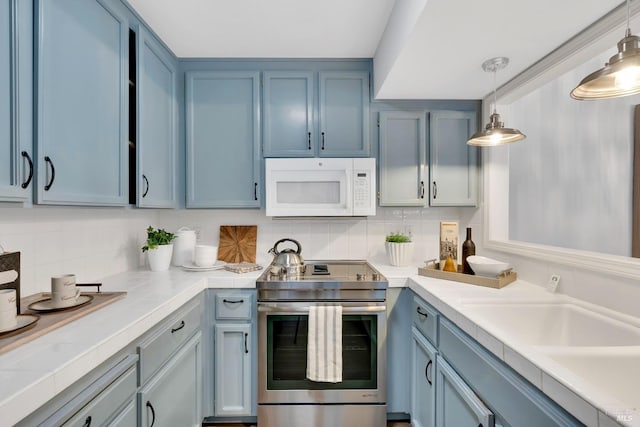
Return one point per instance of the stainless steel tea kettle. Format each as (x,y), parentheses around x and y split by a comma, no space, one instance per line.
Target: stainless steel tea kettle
(287,262)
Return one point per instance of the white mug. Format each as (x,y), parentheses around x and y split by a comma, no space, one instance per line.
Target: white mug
(7,299)
(63,290)
(205,255)
(8,319)
(8,310)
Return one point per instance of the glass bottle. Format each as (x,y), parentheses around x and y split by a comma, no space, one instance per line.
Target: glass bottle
(468,249)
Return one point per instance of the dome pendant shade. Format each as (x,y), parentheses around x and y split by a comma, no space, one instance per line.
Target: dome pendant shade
(495,134)
(619,77)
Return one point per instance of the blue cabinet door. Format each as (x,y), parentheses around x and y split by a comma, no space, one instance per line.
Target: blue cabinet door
(157,123)
(172,397)
(223,139)
(82,80)
(344,114)
(456,403)
(403,158)
(232,369)
(423,387)
(454,164)
(288,114)
(16,72)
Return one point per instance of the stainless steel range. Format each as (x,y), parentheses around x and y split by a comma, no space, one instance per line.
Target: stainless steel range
(285,396)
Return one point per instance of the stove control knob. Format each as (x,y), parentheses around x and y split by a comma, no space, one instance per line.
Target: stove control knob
(360,276)
(375,277)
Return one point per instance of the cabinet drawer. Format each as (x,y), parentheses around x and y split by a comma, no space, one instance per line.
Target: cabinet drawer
(101,400)
(168,338)
(105,405)
(425,319)
(233,306)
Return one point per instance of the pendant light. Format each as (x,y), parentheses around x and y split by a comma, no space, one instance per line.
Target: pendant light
(495,133)
(619,77)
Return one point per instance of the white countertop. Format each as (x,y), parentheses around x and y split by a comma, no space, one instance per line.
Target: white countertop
(28,379)
(588,403)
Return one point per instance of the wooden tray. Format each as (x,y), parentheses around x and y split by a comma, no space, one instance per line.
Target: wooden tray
(433,270)
(49,321)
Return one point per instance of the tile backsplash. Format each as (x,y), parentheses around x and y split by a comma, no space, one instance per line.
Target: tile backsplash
(89,242)
(97,242)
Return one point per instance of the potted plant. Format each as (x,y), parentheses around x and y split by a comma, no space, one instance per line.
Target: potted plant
(399,249)
(159,248)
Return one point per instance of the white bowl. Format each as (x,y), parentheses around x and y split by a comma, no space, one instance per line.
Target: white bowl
(488,267)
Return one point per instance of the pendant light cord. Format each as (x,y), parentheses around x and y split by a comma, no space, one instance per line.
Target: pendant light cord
(495,90)
(628,33)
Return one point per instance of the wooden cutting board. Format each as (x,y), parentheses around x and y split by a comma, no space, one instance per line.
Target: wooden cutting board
(237,243)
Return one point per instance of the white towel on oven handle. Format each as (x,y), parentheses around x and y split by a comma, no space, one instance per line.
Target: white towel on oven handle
(324,344)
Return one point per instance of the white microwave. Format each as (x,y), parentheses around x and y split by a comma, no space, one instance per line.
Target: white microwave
(320,187)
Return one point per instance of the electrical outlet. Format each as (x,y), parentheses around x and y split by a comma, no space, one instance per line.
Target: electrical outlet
(196,228)
(553,283)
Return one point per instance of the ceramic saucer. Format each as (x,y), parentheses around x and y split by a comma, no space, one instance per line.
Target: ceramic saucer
(48,305)
(23,320)
(192,267)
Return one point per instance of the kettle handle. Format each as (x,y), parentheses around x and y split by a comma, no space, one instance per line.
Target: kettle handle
(275,247)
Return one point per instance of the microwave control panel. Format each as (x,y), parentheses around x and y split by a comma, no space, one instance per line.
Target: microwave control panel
(364,186)
(361,188)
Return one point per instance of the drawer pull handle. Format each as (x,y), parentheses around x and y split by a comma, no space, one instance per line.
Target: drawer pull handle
(153,413)
(422,313)
(179,327)
(246,349)
(228,301)
(30,177)
(426,372)
(87,422)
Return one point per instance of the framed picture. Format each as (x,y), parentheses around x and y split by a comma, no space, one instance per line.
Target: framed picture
(448,241)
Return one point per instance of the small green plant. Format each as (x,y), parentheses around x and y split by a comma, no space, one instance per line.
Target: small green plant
(156,238)
(398,238)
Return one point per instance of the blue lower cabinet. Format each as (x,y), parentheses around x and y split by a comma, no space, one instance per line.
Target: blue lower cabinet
(223,139)
(232,369)
(172,396)
(423,385)
(456,403)
(82,81)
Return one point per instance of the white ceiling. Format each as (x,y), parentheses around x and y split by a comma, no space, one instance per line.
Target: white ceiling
(431,49)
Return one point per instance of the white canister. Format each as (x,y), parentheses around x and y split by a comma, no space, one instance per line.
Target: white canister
(183,246)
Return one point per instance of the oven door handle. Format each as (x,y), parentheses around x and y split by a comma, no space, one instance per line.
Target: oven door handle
(304,308)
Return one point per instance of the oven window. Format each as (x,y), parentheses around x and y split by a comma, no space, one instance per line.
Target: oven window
(287,353)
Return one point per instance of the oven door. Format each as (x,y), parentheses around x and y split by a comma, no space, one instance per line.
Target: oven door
(282,360)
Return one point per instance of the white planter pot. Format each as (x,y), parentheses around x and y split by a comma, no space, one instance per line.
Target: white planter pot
(399,254)
(160,257)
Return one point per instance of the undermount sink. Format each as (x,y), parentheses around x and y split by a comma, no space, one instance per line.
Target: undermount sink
(614,370)
(553,324)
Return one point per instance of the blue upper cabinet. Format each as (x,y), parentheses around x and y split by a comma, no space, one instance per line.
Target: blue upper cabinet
(157,115)
(16,71)
(454,164)
(82,80)
(343,114)
(223,139)
(288,114)
(403,159)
